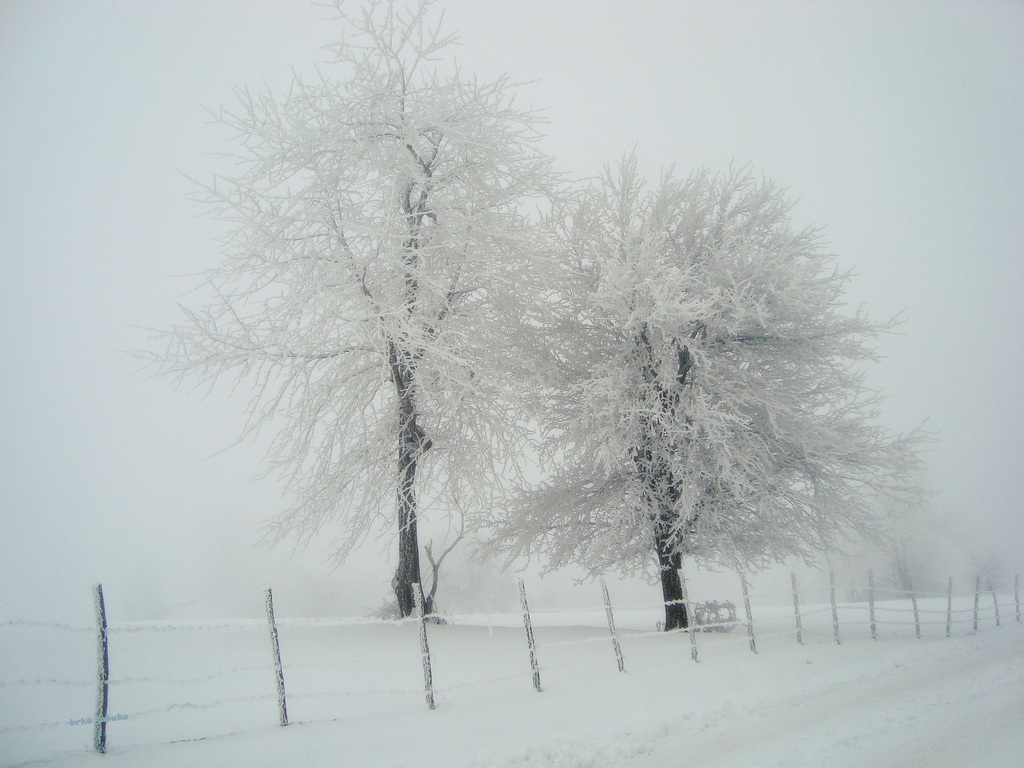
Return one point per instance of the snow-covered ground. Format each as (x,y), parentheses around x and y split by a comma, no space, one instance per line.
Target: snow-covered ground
(205,694)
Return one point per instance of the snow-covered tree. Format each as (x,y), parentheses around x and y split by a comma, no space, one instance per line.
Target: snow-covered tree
(710,401)
(370,287)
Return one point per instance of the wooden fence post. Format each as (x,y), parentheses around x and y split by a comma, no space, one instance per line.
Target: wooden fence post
(746,607)
(949,607)
(995,600)
(611,627)
(832,598)
(428,679)
(275,648)
(871,603)
(977,594)
(796,609)
(102,671)
(913,603)
(691,618)
(529,635)
(1016,594)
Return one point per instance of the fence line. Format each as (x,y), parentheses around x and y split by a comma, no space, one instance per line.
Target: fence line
(906,602)
(851,613)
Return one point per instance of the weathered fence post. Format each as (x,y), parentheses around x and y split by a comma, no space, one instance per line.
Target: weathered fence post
(977,594)
(949,607)
(690,615)
(746,607)
(102,671)
(611,627)
(871,603)
(529,635)
(796,609)
(913,603)
(428,679)
(1016,594)
(832,598)
(275,647)
(995,600)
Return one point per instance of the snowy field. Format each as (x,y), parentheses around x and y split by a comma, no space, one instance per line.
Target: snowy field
(204,694)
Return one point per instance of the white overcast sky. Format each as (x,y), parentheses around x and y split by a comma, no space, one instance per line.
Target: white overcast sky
(898,126)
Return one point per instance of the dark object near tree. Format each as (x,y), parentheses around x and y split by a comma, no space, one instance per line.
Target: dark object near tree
(713,616)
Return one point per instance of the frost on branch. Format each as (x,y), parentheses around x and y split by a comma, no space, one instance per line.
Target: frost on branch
(380,240)
(710,401)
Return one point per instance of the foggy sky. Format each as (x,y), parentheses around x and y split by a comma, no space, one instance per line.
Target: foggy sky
(899,127)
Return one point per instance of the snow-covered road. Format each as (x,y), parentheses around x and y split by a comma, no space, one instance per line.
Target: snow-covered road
(929,706)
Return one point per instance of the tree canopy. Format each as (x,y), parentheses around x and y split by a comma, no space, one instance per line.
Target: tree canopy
(710,399)
(373,281)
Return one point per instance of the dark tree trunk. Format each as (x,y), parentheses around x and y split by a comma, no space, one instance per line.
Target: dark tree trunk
(412,444)
(408,572)
(671,586)
(652,463)
(412,441)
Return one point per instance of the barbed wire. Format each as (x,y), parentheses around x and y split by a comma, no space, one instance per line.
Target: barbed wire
(189,680)
(524,675)
(345,694)
(189,706)
(31,727)
(115,629)
(348,621)
(602,638)
(45,681)
(46,625)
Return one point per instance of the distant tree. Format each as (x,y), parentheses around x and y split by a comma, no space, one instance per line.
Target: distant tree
(898,540)
(709,400)
(370,285)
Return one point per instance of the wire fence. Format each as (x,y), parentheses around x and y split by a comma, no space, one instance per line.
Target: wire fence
(158,681)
